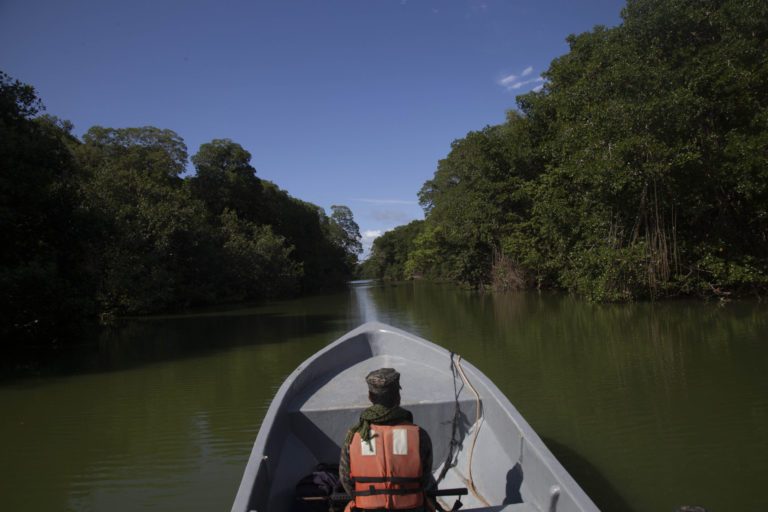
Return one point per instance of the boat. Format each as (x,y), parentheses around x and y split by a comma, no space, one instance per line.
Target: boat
(480,441)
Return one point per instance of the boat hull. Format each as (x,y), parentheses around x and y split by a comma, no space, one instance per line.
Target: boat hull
(511,468)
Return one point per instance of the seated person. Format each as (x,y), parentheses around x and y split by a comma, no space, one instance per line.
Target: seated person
(386,460)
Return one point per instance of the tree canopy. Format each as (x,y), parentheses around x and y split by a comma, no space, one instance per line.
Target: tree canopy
(108,225)
(639,170)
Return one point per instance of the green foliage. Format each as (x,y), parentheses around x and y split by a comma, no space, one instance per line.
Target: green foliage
(159,154)
(423,255)
(108,226)
(345,233)
(150,226)
(645,173)
(42,273)
(639,171)
(390,252)
(479,196)
(307,229)
(323,247)
(225,179)
(256,262)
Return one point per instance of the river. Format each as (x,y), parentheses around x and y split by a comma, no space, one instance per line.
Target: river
(648,406)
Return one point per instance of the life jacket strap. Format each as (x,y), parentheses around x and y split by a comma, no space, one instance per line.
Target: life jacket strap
(386,479)
(372,491)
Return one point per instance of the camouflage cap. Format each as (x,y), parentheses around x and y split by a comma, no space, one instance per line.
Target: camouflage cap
(382,380)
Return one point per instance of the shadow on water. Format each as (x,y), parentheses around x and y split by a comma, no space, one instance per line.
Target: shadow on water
(134,342)
(589,478)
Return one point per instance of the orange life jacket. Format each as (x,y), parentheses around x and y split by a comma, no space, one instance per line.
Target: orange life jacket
(387,472)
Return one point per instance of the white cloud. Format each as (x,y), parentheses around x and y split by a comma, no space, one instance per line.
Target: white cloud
(369,235)
(513,82)
(507,80)
(520,84)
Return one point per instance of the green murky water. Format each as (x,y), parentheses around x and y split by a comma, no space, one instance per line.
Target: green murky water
(649,406)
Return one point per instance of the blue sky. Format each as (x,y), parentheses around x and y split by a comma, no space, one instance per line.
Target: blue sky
(340,102)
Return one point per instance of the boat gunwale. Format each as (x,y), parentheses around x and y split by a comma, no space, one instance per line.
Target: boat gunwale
(280,402)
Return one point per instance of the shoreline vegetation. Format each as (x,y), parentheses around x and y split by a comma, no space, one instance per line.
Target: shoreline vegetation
(639,171)
(110,226)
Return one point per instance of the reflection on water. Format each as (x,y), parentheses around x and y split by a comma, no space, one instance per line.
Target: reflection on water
(362,291)
(649,406)
(157,413)
(666,404)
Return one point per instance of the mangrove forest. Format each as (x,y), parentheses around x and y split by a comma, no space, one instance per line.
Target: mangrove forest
(639,170)
(111,225)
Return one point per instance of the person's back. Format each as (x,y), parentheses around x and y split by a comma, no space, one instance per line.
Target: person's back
(386,460)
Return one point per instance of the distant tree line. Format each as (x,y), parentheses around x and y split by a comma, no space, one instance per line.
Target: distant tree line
(107,225)
(639,171)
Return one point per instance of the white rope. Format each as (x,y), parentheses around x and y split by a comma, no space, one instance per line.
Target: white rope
(478,423)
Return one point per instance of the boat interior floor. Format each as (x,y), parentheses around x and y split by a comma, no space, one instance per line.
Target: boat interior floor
(324,408)
(421,382)
(454,479)
(472,427)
